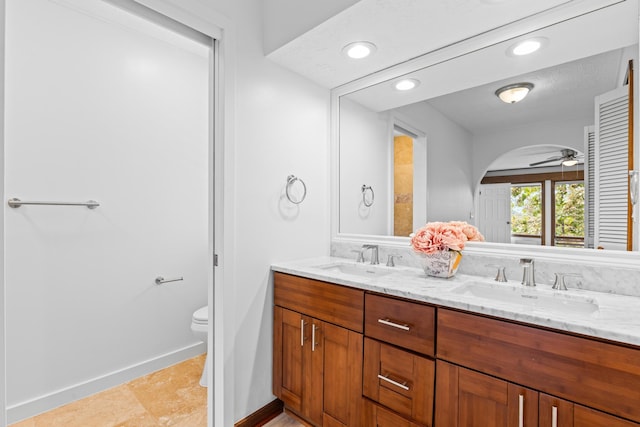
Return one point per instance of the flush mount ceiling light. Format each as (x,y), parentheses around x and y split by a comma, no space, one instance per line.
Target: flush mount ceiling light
(569,162)
(406,84)
(359,50)
(514,93)
(528,46)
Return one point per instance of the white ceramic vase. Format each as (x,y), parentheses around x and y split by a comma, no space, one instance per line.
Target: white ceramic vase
(441,264)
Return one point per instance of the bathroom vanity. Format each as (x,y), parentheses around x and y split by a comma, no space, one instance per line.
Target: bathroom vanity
(360,345)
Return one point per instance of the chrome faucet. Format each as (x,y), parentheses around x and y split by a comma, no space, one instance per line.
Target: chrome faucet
(374,253)
(528,275)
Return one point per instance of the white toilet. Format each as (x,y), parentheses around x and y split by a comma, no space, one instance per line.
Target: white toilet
(200,328)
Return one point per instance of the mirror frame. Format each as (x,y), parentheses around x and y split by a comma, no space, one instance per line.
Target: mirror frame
(616,259)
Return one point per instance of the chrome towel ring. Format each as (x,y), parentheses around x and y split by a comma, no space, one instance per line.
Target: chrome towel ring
(291,180)
(368,202)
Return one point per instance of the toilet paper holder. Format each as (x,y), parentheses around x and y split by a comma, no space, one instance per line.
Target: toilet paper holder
(161,280)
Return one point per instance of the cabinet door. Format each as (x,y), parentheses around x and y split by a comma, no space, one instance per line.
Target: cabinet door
(342,400)
(555,412)
(313,370)
(467,398)
(288,342)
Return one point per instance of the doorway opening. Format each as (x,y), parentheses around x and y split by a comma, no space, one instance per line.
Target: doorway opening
(124,116)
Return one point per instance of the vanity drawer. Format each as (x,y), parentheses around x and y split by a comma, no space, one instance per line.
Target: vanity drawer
(403,323)
(377,416)
(399,380)
(340,305)
(601,375)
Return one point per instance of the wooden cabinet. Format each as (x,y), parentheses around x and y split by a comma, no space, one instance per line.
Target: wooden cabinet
(377,416)
(556,412)
(405,324)
(580,372)
(399,380)
(466,398)
(343,357)
(317,365)
(395,377)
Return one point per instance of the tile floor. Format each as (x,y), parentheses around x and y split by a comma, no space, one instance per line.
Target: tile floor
(170,397)
(283,420)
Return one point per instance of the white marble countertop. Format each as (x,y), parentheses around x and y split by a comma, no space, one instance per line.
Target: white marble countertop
(596,314)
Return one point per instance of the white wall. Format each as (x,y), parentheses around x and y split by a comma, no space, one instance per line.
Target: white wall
(119,115)
(277,123)
(365,150)
(489,146)
(449,181)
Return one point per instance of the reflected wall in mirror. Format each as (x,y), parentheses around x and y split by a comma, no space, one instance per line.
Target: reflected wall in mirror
(460,130)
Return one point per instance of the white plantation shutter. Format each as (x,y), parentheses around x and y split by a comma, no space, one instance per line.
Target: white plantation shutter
(611,169)
(589,183)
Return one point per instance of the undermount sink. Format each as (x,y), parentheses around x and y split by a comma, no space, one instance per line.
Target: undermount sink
(530,298)
(362,270)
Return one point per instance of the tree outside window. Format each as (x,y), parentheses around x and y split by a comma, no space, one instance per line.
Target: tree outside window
(569,213)
(526,209)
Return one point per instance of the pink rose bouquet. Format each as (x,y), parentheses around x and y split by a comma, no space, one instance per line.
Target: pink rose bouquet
(444,236)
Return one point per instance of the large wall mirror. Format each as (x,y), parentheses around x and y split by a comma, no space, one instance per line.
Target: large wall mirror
(526,172)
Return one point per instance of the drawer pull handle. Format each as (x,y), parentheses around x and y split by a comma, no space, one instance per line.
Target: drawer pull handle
(313,337)
(521,411)
(302,323)
(554,416)
(394,325)
(395,383)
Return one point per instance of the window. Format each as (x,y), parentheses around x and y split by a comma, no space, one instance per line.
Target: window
(568,214)
(526,211)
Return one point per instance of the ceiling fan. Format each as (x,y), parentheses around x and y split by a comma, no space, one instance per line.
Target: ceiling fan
(567,157)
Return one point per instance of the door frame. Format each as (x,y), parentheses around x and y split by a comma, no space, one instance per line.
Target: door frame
(203,19)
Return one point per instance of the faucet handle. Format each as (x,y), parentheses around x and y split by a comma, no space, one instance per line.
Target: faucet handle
(559,284)
(500,275)
(390,258)
(360,256)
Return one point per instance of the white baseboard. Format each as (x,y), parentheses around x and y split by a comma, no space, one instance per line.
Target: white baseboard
(67,395)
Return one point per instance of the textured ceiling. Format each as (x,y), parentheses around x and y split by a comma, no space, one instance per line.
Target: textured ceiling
(401,29)
(566,90)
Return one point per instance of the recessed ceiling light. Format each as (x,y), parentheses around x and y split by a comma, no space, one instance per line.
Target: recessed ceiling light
(359,50)
(514,93)
(406,84)
(528,46)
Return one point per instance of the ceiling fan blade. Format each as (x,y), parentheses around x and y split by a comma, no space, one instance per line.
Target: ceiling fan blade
(549,160)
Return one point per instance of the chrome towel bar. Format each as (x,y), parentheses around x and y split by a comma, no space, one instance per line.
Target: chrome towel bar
(16,203)
(161,280)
